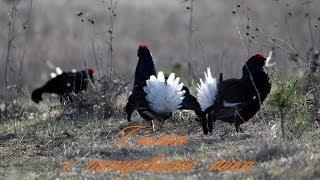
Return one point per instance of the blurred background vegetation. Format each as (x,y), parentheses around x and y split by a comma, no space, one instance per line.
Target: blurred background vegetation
(52,34)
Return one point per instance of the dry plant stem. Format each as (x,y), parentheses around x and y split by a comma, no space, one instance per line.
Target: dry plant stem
(111,40)
(190,40)
(247,56)
(84,33)
(113,7)
(313,66)
(293,52)
(95,56)
(312,63)
(25,25)
(289,32)
(96,49)
(282,123)
(11,37)
(268,36)
(203,55)
(219,68)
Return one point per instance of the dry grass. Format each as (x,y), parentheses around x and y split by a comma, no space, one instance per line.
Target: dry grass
(38,145)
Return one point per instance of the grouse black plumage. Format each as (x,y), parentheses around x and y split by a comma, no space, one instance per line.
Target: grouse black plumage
(141,97)
(64,84)
(237,100)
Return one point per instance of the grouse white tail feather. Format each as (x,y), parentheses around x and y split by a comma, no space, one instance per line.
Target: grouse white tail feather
(58,71)
(161,77)
(164,96)
(53,75)
(207,90)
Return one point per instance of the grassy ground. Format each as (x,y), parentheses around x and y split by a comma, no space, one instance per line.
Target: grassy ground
(39,145)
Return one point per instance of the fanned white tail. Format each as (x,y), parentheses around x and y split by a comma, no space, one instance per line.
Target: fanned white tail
(53,75)
(164,96)
(58,72)
(207,90)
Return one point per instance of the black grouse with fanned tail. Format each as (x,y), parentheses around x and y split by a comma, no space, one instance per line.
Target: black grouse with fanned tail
(64,84)
(156,97)
(236,100)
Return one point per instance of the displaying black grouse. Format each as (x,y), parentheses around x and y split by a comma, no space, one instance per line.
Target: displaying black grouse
(64,84)
(235,100)
(156,98)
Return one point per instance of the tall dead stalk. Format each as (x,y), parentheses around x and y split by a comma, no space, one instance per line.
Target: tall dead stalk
(111,11)
(189,56)
(11,38)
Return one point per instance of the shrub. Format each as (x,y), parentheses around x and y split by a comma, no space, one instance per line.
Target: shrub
(103,99)
(288,98)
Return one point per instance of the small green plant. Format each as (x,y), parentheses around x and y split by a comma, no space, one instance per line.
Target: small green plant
(301,122)
(283,97)
(177,67)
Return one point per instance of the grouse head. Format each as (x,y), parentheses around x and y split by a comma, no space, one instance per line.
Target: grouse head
(254,66)
(90,72)
(143,51)
(256,62)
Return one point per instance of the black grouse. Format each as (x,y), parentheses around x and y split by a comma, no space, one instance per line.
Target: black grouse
(155,97)
(235,100)
(64,84)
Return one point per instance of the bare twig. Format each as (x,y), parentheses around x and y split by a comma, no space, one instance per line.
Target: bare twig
(25,26)
(11,37)
(247,56)
(191,8)
(111,10)
(203,56)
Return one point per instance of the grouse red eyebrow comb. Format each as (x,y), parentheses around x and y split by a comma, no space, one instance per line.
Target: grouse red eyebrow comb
(91,70)
(258,55)
(143,46)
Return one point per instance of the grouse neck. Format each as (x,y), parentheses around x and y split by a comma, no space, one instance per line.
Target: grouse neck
(258,76)
(254,73)
(145,68)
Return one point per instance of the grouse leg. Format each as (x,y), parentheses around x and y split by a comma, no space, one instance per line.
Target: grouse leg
(238,128)
(238,119)
(190,103)
(153,125)
(211,120)
(154,118)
